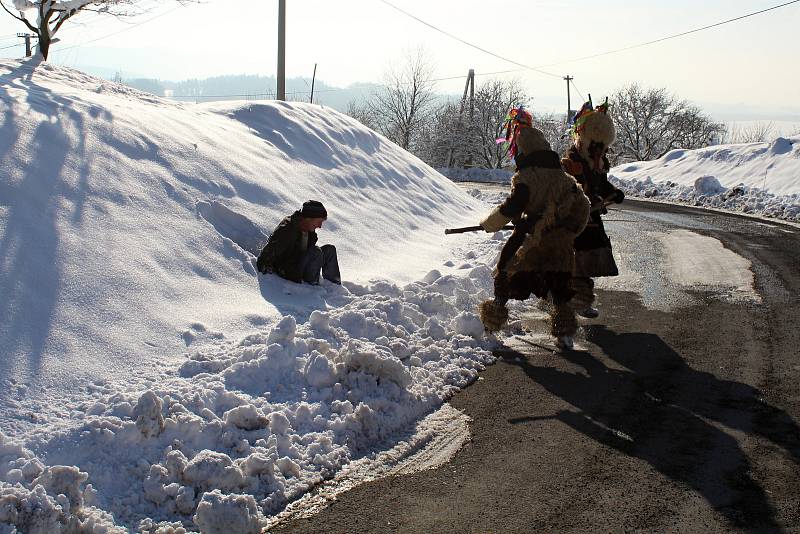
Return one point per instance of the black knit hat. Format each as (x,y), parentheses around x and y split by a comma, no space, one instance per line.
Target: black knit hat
(313,209)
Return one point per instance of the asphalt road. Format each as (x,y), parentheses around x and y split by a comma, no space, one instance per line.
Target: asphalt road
(678,410)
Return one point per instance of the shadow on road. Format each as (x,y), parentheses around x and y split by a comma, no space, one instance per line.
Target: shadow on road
(660,410)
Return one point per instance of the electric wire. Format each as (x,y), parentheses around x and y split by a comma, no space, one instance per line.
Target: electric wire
(695,30)
(525,67)
(84,22)
(123,30)
(576,88)
(468,43)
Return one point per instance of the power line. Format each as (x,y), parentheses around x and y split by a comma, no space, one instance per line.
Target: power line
(98,16)
(571,80)
(245,95)
(619,49)
(90,17)
(675,35)
(406,13)
(477,74)
(132,26)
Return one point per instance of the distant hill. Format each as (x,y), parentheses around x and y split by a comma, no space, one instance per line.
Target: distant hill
(251,87)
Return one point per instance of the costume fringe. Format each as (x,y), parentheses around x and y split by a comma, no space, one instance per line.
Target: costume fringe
(493,315)
(563,321)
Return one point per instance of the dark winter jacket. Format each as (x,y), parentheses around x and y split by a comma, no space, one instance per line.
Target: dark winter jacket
(597,188)
(284,251)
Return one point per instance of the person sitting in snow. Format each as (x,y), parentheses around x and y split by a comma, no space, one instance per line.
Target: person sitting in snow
(549,210)
(292,252)
(592,134)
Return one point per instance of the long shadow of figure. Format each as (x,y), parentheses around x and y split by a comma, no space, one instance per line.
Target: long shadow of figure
(629,411)
(733,404)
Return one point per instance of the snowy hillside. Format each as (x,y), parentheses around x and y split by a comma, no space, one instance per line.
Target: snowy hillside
(129,223)
(128,232)
(756,178)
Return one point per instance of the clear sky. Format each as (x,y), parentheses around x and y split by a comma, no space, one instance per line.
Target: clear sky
(745,69)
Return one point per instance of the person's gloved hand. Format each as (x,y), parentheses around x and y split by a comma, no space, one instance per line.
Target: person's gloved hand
(495,221)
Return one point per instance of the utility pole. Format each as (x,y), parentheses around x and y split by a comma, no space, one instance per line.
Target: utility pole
(568,78)
(27,37)
(281,49)
(471,82)
(313,77)
(469,86)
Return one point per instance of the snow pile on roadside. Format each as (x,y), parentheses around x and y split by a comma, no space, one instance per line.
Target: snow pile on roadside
(755,178)
(128,230)
(741,198)
(251,426)
(129,226)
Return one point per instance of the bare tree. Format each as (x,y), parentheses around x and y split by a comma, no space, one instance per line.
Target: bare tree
(440,139)
(652,122)
(758,132)
(555,130)
(694,129)
(493,100)
(361,112)
(464,133)
(406,101)
(52,14)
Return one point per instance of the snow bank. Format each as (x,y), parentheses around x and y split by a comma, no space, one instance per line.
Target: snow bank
(129,226)
(253,425)
(39,499)
(151,381)
(756,178)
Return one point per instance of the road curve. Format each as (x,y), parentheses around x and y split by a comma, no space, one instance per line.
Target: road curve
(678,410)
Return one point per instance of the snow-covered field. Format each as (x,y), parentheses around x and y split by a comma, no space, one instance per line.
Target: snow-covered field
(150,379)
(756,178)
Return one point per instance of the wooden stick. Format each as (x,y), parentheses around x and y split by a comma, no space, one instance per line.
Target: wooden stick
(472,229)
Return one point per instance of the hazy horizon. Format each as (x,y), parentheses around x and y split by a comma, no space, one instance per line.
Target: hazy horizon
(722,69)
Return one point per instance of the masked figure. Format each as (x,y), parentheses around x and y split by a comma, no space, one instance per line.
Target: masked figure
(549,210)
(592,134)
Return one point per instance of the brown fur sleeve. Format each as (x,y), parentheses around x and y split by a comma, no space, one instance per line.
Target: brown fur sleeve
(572,167)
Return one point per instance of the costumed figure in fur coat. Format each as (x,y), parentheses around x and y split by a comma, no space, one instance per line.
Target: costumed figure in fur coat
(549,210)
(592,134)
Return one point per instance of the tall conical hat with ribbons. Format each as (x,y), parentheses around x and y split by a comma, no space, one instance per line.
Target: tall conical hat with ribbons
(593,124)
(517,120)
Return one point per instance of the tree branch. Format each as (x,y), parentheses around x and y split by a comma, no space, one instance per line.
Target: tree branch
(61,18)
(21,19)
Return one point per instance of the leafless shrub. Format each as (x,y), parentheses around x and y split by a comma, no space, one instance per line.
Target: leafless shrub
(651,122)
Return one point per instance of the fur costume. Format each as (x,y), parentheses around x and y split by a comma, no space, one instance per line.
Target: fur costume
(550,210)
(586,160)
(593,126)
